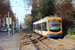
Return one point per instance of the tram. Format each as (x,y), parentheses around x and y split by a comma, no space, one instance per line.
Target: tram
(49,27)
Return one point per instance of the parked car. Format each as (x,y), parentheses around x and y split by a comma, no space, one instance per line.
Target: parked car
(4,30)
(0,30)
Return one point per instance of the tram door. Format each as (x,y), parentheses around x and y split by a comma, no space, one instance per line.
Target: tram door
(44,28)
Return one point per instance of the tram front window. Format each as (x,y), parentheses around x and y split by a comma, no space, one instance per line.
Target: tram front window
(54,25)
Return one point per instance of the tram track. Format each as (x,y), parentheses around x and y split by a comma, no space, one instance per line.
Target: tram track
(47,43)
(61,43)
(34,43)
(40,42)
(70,42)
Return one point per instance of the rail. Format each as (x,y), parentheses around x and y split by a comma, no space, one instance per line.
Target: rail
(31,41)
(42,43)
(62,42)
(36,40)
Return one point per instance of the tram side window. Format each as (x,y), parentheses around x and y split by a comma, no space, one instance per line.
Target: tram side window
(36,27)
(39,26)
(44,27)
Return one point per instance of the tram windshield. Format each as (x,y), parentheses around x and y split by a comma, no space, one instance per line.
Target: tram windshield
(54,25)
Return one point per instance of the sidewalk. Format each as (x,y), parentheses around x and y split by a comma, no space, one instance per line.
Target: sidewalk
(10,43)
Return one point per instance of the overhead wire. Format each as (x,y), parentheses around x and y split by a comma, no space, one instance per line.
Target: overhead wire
(25,3)
(22,5)
(18,3)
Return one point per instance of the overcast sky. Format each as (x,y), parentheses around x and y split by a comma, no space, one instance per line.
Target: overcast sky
(20,8)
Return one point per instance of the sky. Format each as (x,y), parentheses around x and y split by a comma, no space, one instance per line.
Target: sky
(20,8)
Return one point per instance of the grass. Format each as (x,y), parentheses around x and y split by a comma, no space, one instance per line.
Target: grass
(71,36)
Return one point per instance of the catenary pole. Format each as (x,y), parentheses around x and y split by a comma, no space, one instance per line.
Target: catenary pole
(8,26)
(13,27)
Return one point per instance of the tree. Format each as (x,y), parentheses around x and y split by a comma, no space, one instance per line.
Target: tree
(65,10)
(47,8)
(28,19)
(4,9)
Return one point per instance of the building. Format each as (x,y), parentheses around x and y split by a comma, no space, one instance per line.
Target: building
(3,23)
(23,25)
(17,23)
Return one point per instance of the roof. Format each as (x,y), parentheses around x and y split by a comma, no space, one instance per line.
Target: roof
(44,19)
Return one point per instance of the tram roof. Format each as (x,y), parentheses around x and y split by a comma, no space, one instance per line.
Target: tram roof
(40,21)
